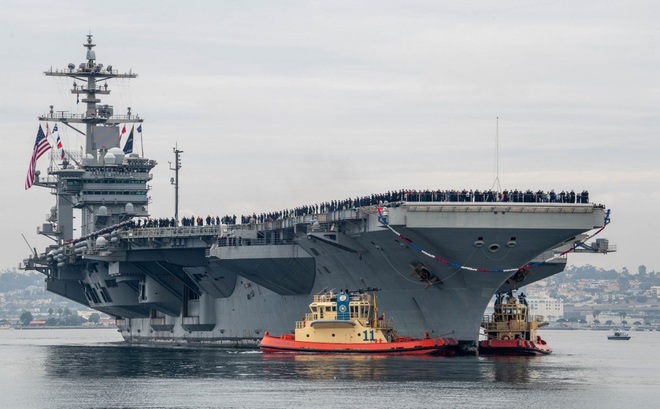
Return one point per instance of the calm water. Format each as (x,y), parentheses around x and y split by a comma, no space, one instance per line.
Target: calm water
(91,368)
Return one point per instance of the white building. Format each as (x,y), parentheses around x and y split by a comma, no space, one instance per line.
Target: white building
(551,308)
(655,290)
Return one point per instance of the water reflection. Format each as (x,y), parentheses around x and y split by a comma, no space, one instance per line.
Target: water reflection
(515,370)
(353,367)
(140,362)
(510,369)
(132,362)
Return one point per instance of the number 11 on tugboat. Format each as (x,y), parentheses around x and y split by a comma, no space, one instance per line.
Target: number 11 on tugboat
(348,322)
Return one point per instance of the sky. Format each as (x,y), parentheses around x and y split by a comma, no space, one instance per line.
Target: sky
(278,104)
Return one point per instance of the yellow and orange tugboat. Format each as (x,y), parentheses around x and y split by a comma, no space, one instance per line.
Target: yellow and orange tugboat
(510,330)
(348,322)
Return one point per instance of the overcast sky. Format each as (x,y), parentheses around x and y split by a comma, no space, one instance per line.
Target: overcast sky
(278,104)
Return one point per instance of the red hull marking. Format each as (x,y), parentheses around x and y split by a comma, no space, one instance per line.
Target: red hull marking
(513,347)
(271,344)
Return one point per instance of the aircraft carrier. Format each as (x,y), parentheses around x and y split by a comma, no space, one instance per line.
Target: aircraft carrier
(438,259)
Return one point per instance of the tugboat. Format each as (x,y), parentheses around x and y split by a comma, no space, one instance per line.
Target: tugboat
(510,330)
(348,322)
(619,335)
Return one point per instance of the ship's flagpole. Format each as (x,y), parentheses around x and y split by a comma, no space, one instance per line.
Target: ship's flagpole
(496,183)
(175,180)
(139,129)
(52,151)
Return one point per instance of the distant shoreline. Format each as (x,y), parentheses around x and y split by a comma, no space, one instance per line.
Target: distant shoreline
(613,328)
(64,327)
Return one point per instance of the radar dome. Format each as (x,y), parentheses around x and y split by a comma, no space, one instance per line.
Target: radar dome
(101,242)
(89,159)
(119,155)
(109,159)
(129,208)
(103,211)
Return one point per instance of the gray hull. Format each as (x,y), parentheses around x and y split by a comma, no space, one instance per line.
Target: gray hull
(173,285)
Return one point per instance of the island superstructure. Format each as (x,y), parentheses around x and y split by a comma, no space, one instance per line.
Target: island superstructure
(437,263)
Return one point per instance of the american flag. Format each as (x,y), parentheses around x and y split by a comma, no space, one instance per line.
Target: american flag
(41,146)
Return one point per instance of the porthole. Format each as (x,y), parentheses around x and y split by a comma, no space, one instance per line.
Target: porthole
(493,248)
(307,335)
(333,335)
(479,243)
(512,244)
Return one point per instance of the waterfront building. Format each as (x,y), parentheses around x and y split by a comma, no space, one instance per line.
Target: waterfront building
(542,304)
